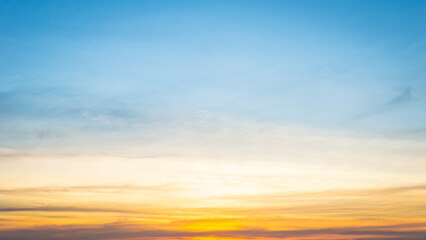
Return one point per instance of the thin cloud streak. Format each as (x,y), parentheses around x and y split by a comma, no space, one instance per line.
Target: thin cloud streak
(88,189)
(404,97)
(368,192)
(63,209)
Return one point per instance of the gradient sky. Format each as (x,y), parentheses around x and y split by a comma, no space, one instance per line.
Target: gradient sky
(211,120)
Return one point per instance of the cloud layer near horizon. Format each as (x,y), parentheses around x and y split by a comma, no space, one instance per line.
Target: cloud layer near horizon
(123,231)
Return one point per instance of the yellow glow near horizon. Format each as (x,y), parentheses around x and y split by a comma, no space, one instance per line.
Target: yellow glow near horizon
(201,192)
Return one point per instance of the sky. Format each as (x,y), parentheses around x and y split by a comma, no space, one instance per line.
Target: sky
(203,120)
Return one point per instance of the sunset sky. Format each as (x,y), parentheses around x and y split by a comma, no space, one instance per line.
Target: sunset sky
(207,120)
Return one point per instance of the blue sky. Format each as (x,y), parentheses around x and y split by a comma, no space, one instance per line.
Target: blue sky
(352,66)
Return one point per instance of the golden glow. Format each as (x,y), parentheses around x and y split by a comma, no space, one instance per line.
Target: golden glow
(202,196)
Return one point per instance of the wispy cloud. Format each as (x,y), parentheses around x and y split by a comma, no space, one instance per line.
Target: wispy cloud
(366,192)
(88,189)
(13,154)
(403,98)
(63,209)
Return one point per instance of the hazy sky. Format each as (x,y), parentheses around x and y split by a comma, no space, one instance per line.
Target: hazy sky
(261,119)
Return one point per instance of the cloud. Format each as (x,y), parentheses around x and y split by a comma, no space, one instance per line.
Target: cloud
(15,154)
(62,209)
(401,201)
(386,202)
(125,231)
(347,193)
(90,189)
(401,99)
